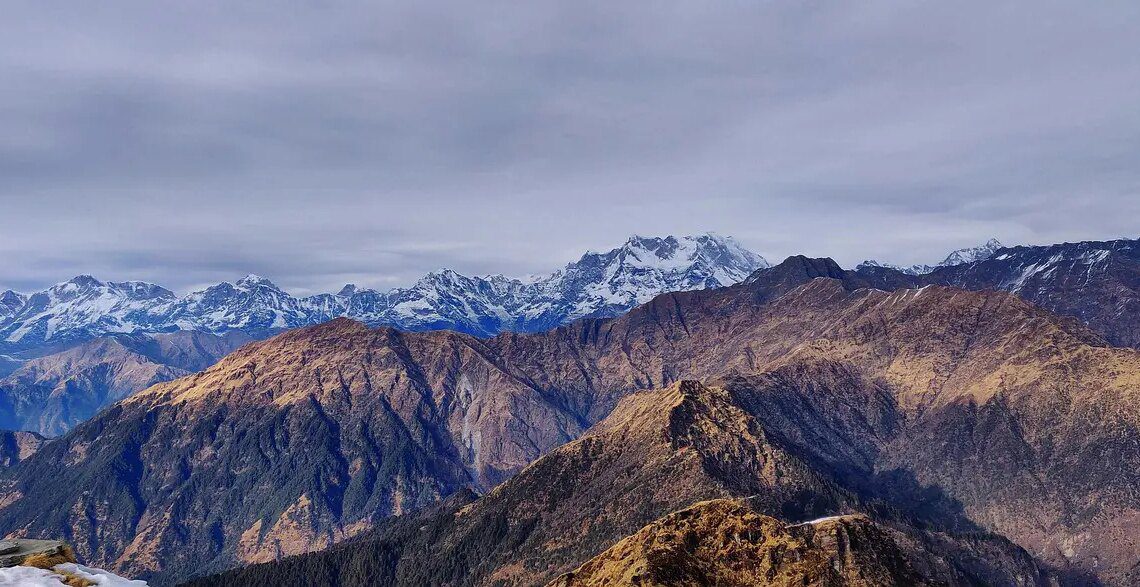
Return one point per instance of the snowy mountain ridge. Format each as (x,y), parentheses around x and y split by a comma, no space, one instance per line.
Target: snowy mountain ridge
(598,284)
(959,257)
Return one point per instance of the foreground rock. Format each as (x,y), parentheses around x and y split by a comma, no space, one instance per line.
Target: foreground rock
(725,543)
(16,551)
(63,575)
(50,563)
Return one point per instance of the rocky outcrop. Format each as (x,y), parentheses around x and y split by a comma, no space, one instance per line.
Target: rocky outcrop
(724,542)
(40,553)
(51,563)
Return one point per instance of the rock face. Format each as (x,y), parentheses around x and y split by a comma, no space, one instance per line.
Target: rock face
(597,285)
(51,394)
(973,408)
(16,551)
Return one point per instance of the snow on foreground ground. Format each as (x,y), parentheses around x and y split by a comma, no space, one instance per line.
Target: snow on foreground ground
(34,577)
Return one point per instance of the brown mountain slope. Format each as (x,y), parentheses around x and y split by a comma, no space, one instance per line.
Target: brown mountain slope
(285,446)
(16,446)
(724,542)
(660,451)
(1028,421)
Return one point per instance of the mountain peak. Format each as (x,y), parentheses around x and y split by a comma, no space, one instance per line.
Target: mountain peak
(683,253)
(142,290)
(802,265)
(972,254)
(9,297)
(598,285)
(958,257)
(10,303)
(253,279)
(83,281)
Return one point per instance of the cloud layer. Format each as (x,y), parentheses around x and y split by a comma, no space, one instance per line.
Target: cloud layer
(334,142)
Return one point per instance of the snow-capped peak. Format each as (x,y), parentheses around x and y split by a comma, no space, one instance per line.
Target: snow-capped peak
(82,281)
(958,257)
(254,280)
(972,254)
(603,283)
(11,302)
(920,269)
(598,284)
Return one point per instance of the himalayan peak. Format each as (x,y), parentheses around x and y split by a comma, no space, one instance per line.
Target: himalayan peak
(597,285)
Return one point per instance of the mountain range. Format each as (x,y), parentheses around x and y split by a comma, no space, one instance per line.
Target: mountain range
(972,424)
(945,414)
(597,285)
(958,257)
(1094,282)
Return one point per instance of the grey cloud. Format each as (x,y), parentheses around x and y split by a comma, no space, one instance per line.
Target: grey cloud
(324,143)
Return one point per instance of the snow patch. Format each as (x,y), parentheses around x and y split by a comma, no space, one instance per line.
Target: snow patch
(35,577)
(818,520)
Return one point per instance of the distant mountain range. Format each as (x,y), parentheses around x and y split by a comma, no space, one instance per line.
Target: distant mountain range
(959,257)
(1095,282)
(597,285)
(50,394)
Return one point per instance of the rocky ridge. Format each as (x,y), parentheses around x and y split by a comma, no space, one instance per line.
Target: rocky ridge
(16,446)
(1097,283)
(661,451)
(724,542)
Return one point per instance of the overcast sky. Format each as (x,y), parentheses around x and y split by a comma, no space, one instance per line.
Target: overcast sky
(319,143)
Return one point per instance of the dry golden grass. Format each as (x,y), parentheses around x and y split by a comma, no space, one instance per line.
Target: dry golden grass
(73,580)
(48,562)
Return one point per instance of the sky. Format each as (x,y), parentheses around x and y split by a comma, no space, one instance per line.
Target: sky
(320,143)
